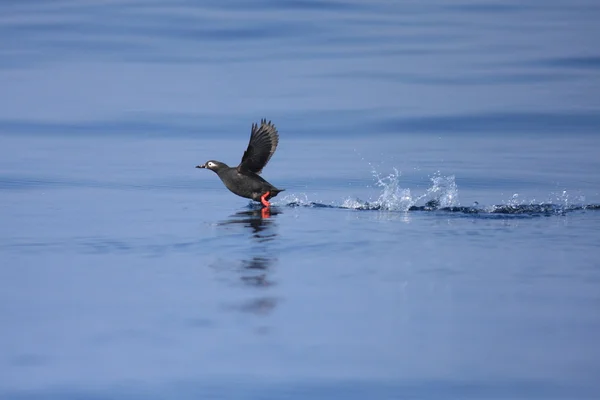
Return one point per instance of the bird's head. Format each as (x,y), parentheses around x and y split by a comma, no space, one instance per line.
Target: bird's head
(212,165)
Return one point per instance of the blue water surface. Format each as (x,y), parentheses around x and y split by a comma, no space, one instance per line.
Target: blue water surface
(437,239)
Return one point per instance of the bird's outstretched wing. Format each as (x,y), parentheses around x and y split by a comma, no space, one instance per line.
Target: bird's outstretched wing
(263,143)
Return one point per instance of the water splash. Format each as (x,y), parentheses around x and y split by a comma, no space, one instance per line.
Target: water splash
(442,192)
(442,195)
(514,203)
(300,199)
(392,196)
(566,199)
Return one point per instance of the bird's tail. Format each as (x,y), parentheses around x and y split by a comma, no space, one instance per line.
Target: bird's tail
(275,192)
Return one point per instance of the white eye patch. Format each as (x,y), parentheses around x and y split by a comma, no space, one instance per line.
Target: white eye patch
(211,164)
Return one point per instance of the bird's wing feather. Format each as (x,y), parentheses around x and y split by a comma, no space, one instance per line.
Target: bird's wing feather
(263,143)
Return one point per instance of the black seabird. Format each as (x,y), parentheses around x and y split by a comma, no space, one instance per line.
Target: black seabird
(244,180)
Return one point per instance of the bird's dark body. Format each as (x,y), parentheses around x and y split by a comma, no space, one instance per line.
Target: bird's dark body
(246,184)
(244,180)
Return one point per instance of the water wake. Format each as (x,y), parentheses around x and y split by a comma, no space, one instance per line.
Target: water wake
(441,196)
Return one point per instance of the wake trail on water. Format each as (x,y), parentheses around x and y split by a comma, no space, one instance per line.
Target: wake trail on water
(440,196)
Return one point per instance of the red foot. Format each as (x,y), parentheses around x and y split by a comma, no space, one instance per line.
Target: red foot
(264,201)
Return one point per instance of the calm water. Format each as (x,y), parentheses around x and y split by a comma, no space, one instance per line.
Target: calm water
(437,239)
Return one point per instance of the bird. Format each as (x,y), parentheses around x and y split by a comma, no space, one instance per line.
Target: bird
(245,180)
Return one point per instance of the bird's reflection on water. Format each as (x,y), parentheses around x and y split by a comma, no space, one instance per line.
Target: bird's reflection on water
(260,225)
(257,266)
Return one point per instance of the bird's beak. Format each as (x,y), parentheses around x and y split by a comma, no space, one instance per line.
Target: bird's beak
(201,166)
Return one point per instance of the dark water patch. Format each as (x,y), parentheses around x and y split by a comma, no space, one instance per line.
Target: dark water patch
(486,8)
(267,5)
(240,34)
(196,28)
(179,126)
(189,126)
(463,80)
(578,62)
(317,123)
(316,53)
(291,5)
(308,5)
(505,123)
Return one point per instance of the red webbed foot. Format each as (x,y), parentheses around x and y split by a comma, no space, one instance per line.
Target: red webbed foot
(264,201)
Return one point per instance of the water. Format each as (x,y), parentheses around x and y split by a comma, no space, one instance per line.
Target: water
(438,236)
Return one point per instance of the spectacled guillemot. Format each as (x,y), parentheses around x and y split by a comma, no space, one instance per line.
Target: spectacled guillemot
(244,180)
